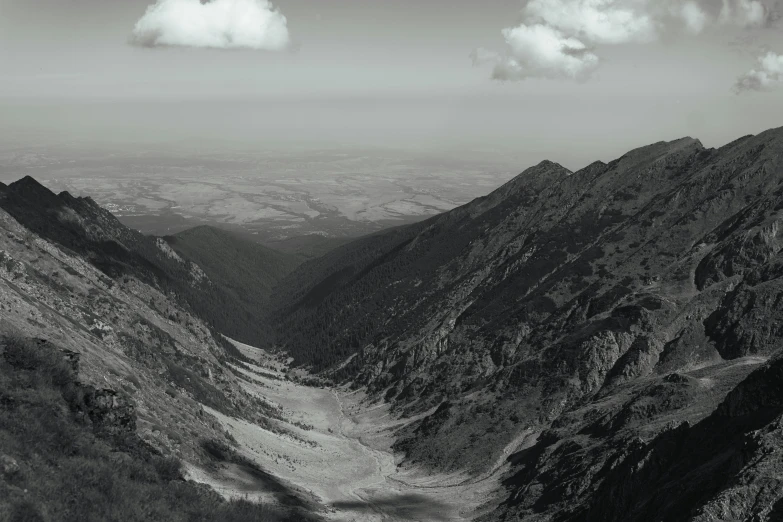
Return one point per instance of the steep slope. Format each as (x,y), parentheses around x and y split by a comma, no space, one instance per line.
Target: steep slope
(245,270)
(354,293)
(673,448)
(558,300)
(70,454)
(154,367)
(129,336)
(82,227)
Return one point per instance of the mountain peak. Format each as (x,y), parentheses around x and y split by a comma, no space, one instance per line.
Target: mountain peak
(531,180)
(27,181)
(542,174)
(658,151)
(687,141)
(28,188)
(548,164)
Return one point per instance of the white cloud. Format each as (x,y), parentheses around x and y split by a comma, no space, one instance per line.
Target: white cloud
(767,75)
(219,24)
(557,38)
(599,21)
(694,17)
(542,51)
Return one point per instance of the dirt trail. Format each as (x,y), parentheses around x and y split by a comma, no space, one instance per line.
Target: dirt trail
(340,453)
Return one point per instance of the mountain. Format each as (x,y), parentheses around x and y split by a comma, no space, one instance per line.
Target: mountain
(245,270)
(110,381)
(85,229)
(598,345)
(572,322)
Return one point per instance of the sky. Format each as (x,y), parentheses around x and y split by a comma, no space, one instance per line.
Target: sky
(572,81)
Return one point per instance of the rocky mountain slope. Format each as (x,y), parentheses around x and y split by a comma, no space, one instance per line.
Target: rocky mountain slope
(85,229)
(76,283)
(596,310)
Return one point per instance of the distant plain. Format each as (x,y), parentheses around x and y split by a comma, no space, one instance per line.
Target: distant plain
(272,195)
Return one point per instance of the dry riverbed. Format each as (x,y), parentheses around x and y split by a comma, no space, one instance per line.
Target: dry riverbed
(340,457)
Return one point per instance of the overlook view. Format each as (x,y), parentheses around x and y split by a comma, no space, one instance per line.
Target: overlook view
(350,261)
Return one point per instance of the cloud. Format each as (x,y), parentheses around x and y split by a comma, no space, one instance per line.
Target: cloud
(558,38)
(745,13)
(767,75)
(544,52)
(694,17)
(217,24)
(599,21)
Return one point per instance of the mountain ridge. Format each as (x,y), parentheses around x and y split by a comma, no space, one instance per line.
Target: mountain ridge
(556,290)
(85,228)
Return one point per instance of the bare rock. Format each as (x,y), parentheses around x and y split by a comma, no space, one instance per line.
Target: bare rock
(9,466)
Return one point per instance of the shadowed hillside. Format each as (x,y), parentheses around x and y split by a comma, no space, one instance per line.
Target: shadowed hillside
(245,270)
(88,230)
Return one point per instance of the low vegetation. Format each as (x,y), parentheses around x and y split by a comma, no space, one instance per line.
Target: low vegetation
(56,466)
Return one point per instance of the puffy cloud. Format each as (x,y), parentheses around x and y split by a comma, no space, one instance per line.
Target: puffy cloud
(557,38)
(767,74)
(542,51)
(599,21)
(219,24)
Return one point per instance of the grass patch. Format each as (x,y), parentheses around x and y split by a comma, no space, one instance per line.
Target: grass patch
(69,472)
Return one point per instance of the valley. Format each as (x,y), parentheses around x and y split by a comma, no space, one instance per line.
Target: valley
(342,456)
(572,347)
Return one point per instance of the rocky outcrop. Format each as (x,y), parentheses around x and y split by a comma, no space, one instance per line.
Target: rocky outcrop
(726,467)
(8,466)
(109,412)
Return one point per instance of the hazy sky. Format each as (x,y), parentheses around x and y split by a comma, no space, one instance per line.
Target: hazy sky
(568,80)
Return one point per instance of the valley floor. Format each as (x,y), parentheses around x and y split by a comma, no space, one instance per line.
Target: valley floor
(338,454)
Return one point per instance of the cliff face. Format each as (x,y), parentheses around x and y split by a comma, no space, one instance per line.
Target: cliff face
(726,467)
(593,307)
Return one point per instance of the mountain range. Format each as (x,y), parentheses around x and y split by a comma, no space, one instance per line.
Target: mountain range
(604,343)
